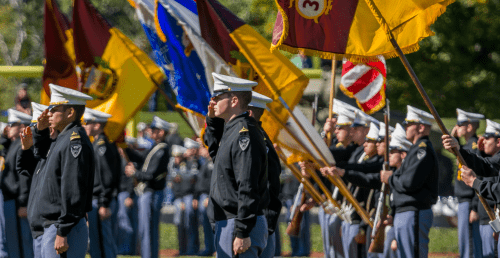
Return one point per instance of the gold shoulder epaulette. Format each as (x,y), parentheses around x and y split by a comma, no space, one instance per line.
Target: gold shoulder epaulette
(101,142)
(422,145)
(339,145)
(474,145)
(243,130)
(74,136)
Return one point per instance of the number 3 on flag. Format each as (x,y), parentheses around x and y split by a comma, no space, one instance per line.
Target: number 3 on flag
(312,9)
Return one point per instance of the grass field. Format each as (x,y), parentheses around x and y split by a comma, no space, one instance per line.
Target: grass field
(442,240)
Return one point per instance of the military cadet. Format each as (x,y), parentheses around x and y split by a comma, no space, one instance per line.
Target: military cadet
(256,109)
(106,179)
(201,192)
(486,167)
(127,212)
(151,180)
(469,240)
(183,170)
(414,187)
(238,193)
(15,190)
(62,194)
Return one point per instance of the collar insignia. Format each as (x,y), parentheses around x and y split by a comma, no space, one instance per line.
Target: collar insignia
(243,130)
(474,145)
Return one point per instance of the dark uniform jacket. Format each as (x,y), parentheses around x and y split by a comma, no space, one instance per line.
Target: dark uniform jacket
(9,179)
(63,191)
(107,170)
(239,179)
(463,192)
(487,183)
(202,185)
(415,184)
(154,162)
(5,142)
(184,177)
(273,172)
(126,183)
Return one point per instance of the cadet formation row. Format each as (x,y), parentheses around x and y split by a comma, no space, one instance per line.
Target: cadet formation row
(64,195)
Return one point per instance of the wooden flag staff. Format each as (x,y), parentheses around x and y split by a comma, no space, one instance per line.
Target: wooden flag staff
(422,92)
(330,102)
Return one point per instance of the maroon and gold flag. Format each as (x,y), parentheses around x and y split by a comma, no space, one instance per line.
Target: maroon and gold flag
(352,28)
(59,65)
(111,68)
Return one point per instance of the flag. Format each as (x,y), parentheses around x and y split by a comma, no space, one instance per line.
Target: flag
(241,46)
(59,63)
(366,83)
(347,28)
(114,71)
(187,17)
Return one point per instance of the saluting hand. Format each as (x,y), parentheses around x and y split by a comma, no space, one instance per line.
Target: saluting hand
(449,142)
(468,176)
(211,111)
(61,244)
(26,138)
(43,120)
(480,143)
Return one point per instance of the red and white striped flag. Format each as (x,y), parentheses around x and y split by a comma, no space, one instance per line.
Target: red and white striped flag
(366,83)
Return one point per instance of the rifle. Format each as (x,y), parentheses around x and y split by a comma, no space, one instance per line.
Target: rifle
(296,215)
(378,233)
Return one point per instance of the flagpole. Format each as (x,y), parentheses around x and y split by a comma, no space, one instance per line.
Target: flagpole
(332,97)
(421,90)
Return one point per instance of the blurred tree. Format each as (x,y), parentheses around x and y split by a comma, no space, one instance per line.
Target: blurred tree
(459,66)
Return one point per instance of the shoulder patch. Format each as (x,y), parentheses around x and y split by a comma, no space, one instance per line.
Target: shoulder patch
(474,145)
(76,149)
(420,154)
(243,130)
(74,136)
(101,142)
(101,150)
(422,145)
(244,141)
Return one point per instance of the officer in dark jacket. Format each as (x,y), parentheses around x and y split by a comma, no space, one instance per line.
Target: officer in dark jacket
(201,192)
(15,189)
(469,239)
(256,109)
(238,193)
(151,180)
(486,165)
(414,187)
(63,192)
(106,179)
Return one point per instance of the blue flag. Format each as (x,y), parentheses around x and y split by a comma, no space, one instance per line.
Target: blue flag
(177,57)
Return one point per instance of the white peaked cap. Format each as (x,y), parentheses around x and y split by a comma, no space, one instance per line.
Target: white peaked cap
(224,83)
(345,117)
(141,126)
(37,110)
(463,116)
(362,119)
(259,100)
(398,139)
(373,133)
(337,104)
(2,127)
(418,116)
(66,96)
(92,115)
(160,123)
(191,144)
(178,150)
(381,132)
(15,116)
(492,129)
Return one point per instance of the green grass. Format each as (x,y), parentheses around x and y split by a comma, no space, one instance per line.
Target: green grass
(442,240)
